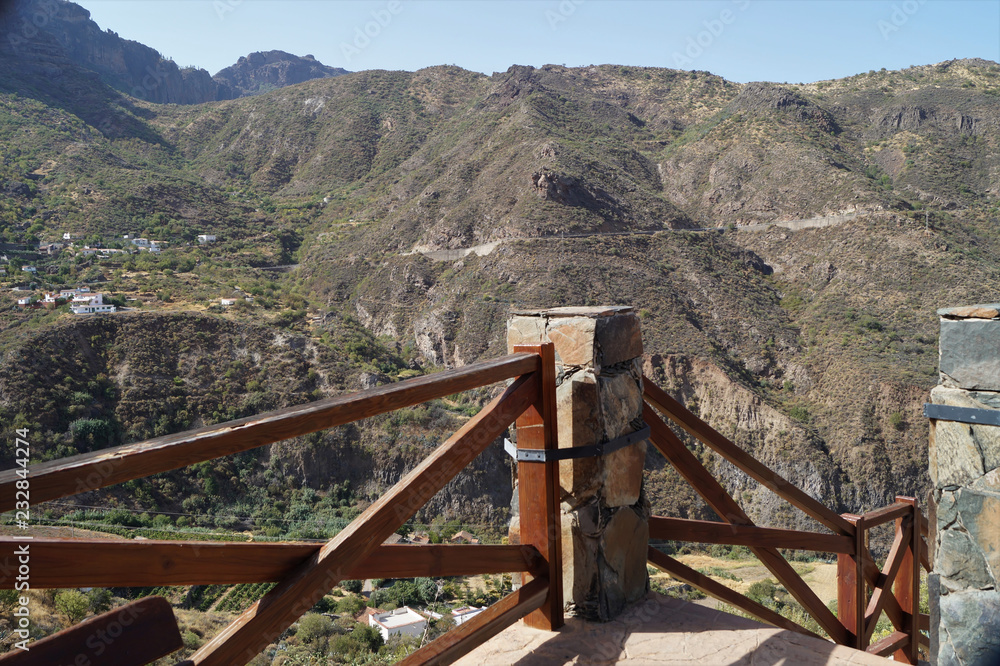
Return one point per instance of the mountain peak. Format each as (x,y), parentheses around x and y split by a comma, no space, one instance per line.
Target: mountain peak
(265,70)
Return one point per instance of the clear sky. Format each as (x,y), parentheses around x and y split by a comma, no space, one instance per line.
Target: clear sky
(742,40)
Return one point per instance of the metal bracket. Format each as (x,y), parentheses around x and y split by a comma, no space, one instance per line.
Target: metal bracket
(962,414)
(550,455)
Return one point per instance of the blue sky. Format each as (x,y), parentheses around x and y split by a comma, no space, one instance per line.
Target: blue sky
(742,40)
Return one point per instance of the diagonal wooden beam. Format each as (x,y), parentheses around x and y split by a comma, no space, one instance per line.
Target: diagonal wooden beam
(99,469)
(265,620)
(716,589)
(712,491)
(900,546)
(131,635)
(889,644)
(703,432)
(111,563)
(469,635)
(706,531)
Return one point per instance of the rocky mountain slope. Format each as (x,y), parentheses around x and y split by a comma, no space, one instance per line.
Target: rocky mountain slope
(812,348)
(63,35)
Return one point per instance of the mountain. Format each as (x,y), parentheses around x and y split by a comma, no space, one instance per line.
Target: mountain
(813,348)
(48,37)
(263,71)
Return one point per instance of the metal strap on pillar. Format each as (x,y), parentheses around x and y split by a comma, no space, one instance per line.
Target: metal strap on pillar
(542,455)
(962,414)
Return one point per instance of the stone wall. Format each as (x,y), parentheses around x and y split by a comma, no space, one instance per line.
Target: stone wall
(964,464)
(605,513)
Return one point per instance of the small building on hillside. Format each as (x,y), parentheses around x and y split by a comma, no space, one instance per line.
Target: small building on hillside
(29,269)
(464,537)
(405,621)
(464,614)
(206,238)
(24,302)
(93,305)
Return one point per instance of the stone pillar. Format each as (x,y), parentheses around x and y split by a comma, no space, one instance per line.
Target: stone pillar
(964,462)
(605,513)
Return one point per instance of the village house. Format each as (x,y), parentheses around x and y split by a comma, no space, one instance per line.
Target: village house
(29,269)
(465,613)
(206,238)
(24,302)
(464,537)
(405,621)
(94,305)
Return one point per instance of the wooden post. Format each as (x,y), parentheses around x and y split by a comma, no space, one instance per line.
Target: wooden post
(538,488)
(907,585)
(851,585)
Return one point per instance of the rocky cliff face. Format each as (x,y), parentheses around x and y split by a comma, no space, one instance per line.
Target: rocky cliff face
(262,71)
(64,34)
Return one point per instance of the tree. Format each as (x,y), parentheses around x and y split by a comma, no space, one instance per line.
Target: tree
(73,604)
(353,586)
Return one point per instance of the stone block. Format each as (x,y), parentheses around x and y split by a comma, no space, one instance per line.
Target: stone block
(970,353)
(525,331)
(619,338)
(578,415)
(623,475)
(624,579)
(959,562)
(960,453)
(979,514)
(621,403)
(573,338)
(579,547)
(969,628)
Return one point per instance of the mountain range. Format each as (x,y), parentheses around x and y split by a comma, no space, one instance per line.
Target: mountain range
(420,207)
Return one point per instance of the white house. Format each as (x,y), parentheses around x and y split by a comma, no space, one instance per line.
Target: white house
(73,293)
(403,620)
(87,251)
(206,238)
(465,614)
(24,301)
(140,242)
(29,269)
(95,305)
(67,236)
(226,302)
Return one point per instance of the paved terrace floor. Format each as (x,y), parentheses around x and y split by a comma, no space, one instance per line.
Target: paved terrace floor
(660,630)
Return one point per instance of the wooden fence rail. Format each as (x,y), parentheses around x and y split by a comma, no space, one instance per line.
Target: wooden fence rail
(305,572)
(894,588)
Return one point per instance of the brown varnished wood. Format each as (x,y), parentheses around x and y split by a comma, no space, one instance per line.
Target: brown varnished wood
(884,515)
(538,488)
(719,591)
(851,587)
(60,563)
(470,635)
(889,644)
(90,471)
(726,507)
(704,531)
(700,430)
(906,588)
(894,561)
(265,620)
(131,635)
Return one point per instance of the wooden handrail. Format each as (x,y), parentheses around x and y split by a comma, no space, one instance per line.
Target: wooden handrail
(264,621)
(884,515)
(719,591)
(704,433)
(58,563)
(889,644)
(99,469)
(726,507)
(131,635)
(470,635)
(704,531)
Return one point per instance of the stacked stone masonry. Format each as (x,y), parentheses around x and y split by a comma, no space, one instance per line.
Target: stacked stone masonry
(605,513)
(964,461)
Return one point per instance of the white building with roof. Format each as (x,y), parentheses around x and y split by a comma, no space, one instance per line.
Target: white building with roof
(93,305)
(403,620)
(206,238)
(464,614)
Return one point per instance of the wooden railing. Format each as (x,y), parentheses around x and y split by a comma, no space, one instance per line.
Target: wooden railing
(894,589)
(305,572)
